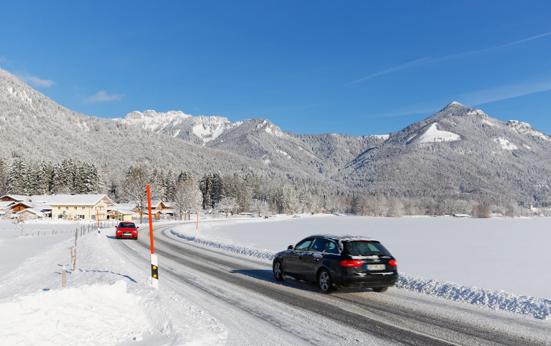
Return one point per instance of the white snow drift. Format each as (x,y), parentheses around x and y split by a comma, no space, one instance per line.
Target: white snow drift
(102,314)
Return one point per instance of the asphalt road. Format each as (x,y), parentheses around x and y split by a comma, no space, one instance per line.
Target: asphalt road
(234,289)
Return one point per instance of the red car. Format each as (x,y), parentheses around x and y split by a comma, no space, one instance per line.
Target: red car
(127,230)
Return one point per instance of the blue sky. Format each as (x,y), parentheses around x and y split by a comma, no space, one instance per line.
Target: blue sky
(356,67)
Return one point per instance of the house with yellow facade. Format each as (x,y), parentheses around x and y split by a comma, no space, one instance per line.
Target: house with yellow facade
(80,207)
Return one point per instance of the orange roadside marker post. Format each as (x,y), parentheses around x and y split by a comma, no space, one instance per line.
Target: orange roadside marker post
(154,260)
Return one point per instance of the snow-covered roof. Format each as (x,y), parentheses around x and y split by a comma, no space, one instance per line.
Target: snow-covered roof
(15,197)
(156,202)
(40,198)
(123,208)
(26,204)
(30,210)
(78,199)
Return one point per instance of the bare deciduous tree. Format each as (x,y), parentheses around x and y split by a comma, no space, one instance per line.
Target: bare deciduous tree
(187,197)
(227,205)
(134,187)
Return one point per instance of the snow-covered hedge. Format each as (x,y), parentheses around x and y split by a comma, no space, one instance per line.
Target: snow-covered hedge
(498,300)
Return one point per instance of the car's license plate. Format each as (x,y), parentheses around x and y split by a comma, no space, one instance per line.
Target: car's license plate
(375,267)
(126,233)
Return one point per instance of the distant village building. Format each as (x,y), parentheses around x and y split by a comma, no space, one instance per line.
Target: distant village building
(28,214)
(122,212)
(12,206)
(161,210)
(80,207)
(77,207)
(16,207)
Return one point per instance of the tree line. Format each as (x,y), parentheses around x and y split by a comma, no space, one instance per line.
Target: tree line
(226,193)
(38,178)
(231,193)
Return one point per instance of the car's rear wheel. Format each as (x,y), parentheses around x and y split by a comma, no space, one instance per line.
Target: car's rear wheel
(278,271)
(325,283)
(380,289)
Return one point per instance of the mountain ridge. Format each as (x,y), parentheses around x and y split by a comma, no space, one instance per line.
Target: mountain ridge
(457,153)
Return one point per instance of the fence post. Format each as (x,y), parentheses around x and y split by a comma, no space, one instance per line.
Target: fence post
(63,277)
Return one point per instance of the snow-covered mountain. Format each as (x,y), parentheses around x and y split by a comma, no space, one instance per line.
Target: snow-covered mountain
(195,129)
(458,153)
(257,139)
(32,126)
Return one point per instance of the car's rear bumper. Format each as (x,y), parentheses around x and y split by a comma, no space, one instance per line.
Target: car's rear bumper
(122,236)
(370,280)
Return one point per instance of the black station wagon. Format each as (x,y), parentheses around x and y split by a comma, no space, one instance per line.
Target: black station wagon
(333,261)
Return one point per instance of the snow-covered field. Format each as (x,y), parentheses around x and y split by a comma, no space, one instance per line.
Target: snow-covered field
(21,241)
(499,262)
(106,300)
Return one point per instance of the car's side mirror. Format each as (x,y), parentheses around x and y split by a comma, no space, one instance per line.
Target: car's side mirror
(290,247)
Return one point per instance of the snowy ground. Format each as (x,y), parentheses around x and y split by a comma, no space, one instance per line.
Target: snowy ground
(106,301)
(21,241)
(500,262)
(209,298)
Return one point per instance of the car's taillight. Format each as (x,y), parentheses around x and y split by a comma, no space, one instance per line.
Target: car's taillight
(351,263)
(393,263)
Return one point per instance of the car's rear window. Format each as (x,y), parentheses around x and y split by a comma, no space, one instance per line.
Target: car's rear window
(127,225)
(365,248)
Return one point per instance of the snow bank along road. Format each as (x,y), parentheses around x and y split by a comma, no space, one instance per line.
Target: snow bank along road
(241,294)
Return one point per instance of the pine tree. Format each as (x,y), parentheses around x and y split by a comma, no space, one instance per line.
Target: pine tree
(15,183)
(217,191)
(169,186)
(183,176)
(3,177)
(93,179)
(45,178)
(113,191)
(205,185)
(156,181)
(86,179)
(64,177)
(31,179)
(79,179)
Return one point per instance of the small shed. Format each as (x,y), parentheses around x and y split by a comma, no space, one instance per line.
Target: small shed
(16,207)
(28,214)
